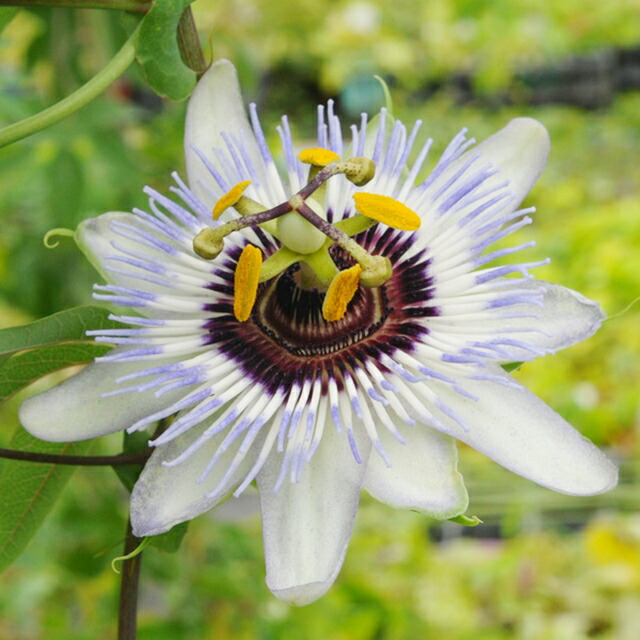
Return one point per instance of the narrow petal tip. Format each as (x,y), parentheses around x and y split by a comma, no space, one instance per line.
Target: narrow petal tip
(519,431)
(602,478)
(216,106)
(303,594)
(519,151)
(30,416)
(531,137)
(531,132)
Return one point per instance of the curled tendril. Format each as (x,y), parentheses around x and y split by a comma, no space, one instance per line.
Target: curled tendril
(137,551)
(56,232)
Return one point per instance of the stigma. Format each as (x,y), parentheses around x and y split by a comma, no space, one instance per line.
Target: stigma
(301,227)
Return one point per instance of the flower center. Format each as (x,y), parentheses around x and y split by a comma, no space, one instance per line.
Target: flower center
(306,238)
(292,317)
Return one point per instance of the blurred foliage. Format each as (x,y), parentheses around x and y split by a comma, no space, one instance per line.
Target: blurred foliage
(413,40)
(90,163)
(403,579)
(397,582)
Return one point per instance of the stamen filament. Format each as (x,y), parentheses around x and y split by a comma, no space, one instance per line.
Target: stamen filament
(276,263)
(322,265)
(376,270)
(355,224)
(318,158)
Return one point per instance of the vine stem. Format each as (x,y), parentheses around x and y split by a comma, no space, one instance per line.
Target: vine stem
(136,6)
(78,99)
(86,461)
(129,581)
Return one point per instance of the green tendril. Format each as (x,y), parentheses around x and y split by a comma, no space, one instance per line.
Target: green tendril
(388,100)
(137,551)
(78,99)
(61,231)
(623,311)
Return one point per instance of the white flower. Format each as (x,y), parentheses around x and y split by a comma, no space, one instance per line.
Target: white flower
(313,409)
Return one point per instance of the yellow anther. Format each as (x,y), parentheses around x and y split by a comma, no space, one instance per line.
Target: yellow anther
(230,198)
(340,293)
(387,210)
(318,157)
(245,282)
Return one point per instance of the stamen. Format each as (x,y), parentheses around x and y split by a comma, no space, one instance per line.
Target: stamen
(318,157)
(387,210)
(324,164)
(340,293)
(230,198)
(208,243)
(245,283)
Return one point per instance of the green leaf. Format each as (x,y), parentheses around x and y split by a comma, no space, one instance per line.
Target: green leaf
(511,366)
(28,491)
(23,368)
(135,442)
(70,325)
(158,53)
(170,541)
(466,521)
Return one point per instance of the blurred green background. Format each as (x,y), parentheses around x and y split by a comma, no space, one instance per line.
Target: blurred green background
(544,566)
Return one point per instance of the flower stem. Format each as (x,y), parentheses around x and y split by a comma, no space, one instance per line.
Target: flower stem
(86,461)
(130,579)
(78,99)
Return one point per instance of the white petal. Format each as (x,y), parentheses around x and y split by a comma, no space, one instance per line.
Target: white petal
(215,106)
(165,496)
(94,236)
(520,151)
(516,429)
(127,262)
(76,410)
(307,526)
(423,476)
(566,318)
